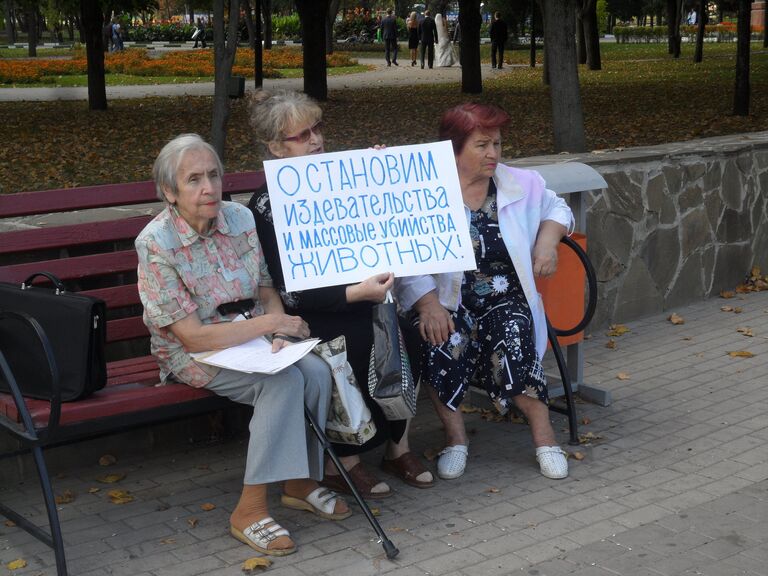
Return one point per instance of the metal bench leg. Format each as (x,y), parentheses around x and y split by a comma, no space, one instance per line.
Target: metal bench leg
(389,548)
(54,539)
(566,380)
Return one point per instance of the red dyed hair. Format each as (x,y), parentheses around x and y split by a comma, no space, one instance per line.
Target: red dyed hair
(459,122)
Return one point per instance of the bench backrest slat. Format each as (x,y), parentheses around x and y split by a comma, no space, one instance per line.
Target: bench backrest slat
(126,329)
(72,235)
(116,296)
(74,268)
(87,197)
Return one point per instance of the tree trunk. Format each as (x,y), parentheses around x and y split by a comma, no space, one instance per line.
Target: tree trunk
(32,29)
(223,56)
(469,23)
(545,60)
(191,9)
(10,29)
(333,9)
(311,13)
(741,93)
(765,24)
(249,22)
(92,21)
(559,42)
(258,51)
(266,9)
(673,28)
(698,55)
(591,34)
(581,49)
(533,35)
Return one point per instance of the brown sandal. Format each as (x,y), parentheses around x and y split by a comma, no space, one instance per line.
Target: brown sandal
(407,467)
(363,479)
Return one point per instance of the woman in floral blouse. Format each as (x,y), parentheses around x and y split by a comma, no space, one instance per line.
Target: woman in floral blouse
(488,324)
(201,253)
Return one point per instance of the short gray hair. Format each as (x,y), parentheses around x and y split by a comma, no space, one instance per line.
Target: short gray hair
(167,162)
(272,112)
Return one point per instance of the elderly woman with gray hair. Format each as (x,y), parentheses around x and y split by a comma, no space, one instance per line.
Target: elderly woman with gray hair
(196,258)
(288,125)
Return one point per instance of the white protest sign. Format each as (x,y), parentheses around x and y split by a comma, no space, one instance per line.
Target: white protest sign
(344,216)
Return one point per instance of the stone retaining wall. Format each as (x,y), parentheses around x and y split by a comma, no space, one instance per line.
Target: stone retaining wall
(678,223)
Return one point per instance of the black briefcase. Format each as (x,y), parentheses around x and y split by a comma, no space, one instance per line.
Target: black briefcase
(76,327)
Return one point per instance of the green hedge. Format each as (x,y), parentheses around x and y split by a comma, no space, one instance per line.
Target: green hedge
(646,34)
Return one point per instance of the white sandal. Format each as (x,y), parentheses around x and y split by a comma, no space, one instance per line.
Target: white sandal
(320,501)
(552,461)
(261,534)
(452,461)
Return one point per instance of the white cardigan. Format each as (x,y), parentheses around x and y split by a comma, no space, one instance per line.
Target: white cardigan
(523,203)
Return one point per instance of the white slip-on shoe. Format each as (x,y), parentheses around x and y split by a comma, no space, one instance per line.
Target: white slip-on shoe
(552,461)
(452,461)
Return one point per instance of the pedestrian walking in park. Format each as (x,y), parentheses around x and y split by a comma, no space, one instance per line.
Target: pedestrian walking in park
(428,38)
(446,57)
(117,39)
(413,35)
(499,36)
(106,36)
(389,33)
(199,35)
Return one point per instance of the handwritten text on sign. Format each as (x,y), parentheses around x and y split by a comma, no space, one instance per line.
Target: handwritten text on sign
(344,216)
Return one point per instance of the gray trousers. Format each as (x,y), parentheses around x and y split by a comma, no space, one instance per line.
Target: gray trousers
(281,445)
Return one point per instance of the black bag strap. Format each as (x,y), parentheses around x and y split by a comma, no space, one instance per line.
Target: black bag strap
(60,288)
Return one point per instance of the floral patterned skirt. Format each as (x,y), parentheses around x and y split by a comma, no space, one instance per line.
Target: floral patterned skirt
(493,349)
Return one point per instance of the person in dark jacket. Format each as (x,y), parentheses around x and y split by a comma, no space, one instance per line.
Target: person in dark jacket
(499,36)
(389,34)
(428,38)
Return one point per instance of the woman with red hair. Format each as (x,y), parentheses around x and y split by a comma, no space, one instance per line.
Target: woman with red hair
(487,326)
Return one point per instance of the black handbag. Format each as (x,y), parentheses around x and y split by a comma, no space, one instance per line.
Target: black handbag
(76,327)
(390,379)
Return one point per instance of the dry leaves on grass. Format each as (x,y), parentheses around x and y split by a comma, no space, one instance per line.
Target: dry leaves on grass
(676,319)
(740,354)
(256,562)
(615,330)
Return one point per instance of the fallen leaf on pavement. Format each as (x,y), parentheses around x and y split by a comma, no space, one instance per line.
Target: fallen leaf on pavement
(207,507)
(469,409)
(256,562)
(617,330)
(375,511)
(493,490)
(9,523)
(676,319)
(107,460)
(168,541)
(588,437)
(611,344)
(94,490)
(120,496)
(746,331)
(727,308)
(586,421)
(65,498)
(740,354)
(737,310)
(727,294)
(16,564)
(192,522)
(110,478)
(623,376)
(577,455)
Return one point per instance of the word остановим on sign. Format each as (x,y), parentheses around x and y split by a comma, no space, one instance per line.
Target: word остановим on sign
(344,216)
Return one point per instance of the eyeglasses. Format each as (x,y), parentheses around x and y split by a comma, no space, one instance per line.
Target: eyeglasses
(305,134)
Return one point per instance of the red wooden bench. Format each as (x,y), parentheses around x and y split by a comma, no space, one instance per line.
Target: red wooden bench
(95,258)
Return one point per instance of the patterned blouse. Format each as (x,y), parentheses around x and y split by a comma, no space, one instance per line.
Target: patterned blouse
(181,272)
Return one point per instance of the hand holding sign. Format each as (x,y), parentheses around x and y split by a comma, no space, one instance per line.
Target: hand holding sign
(342,217)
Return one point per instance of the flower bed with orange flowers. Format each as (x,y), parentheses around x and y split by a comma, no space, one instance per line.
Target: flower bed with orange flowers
(137,62)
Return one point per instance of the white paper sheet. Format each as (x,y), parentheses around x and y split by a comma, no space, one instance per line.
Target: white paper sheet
(256,356)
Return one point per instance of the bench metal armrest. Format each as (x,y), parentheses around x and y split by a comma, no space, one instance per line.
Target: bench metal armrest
(589,311)
(26,429)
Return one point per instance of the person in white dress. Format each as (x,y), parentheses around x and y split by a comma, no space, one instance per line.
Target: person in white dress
(445,53)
